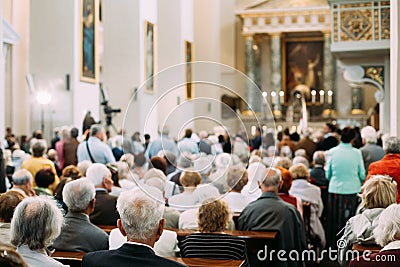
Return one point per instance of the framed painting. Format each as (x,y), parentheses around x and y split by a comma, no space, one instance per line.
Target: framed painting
(149,56)
(302,63)
(89,16)
(188,69)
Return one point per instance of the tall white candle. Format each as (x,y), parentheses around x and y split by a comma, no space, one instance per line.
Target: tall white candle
(313,94)
(321,96)
(281,97)
(330,97)
(274,98)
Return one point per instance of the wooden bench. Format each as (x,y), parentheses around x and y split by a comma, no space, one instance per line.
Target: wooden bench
(197,262)
(71,258)
(107,228)
(362,248)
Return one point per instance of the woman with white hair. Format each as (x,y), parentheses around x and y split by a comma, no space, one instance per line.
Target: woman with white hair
(36,223)
(379,192)
(387,234)
(371,152)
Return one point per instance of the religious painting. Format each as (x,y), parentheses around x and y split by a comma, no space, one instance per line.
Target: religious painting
(302,64)
(149,56)
(188,69)
(89,69)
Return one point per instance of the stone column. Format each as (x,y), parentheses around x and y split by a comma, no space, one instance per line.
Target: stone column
(276,59)
(328,67)
(253,96)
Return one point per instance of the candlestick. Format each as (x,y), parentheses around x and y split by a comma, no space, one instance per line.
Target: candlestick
(321,96)
(282,97)
(274,99)
(313,94)
(330,96)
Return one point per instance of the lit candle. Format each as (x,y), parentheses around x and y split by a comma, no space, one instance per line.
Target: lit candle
(274,98)
(321,96)
(330,94)
(313,94)
(282,97)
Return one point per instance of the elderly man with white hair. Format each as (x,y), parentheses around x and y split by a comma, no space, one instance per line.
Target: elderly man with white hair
(37,221)
(22,183)
(371,152)
(105,210)
(270,213)
(79,234)
(142,223)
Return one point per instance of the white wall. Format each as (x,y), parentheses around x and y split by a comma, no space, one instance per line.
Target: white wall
(2,92)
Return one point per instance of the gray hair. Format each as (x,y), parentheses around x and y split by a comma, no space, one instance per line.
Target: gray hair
(368,133)
(78,194)
(39,148)
(37,221)
(301,159)
(184,160)
(392,145)
(97,172)
(272,178)
(95,129)
(140,213)
(388,226)
(83,166)
(22,177)
(319,157)
(65,132)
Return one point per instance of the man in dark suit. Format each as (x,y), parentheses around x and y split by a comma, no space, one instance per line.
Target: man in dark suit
(270,213)
(329,140)
(105,212)
(142,223)
(78,234)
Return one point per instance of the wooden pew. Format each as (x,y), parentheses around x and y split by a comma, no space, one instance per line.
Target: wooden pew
(255,241)
(362,248)
(197,262)
(107,228)
(71,258)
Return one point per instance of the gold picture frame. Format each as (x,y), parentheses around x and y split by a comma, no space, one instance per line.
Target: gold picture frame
(149,56)
(89,62)
(302,63)
(188,70)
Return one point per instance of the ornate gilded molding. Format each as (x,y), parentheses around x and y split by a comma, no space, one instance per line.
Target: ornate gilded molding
(375,73)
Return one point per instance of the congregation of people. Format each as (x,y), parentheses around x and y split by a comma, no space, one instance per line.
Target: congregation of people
(317,190)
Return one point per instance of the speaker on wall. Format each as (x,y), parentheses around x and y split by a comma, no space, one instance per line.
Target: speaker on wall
(67,82)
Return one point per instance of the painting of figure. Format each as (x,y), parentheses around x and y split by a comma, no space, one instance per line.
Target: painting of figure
(189,75)
(149,56)
(302,64)
(89,16)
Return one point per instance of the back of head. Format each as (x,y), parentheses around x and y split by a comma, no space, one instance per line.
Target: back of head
(272,179)
(10,258)
(299,171)
(159,163)
(188,133)
(331,127)
(286,180)
(22,177)
(380,191)
(8,203)
(283,162)
(184,161)
(38,148)
(392,145)
(97,172)
(65,132)
(368,133)
(388,228)
(213,215)
(78,194)
(347,135)
(74,132)
(155,178)
(72,172)
(140,213)
(95,129)
(302,160)
(319,158)
(223,161)
(83,166)
(190,178)
(139,160)
(203,165)
(44,178)
(237,178)
(37,222)
(256,171)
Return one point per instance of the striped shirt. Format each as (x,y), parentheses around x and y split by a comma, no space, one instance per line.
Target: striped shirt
(214,246)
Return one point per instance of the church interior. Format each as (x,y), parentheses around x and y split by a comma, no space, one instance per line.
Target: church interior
(242,70)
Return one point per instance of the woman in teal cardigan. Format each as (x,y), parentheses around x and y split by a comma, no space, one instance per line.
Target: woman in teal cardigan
(346,175)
